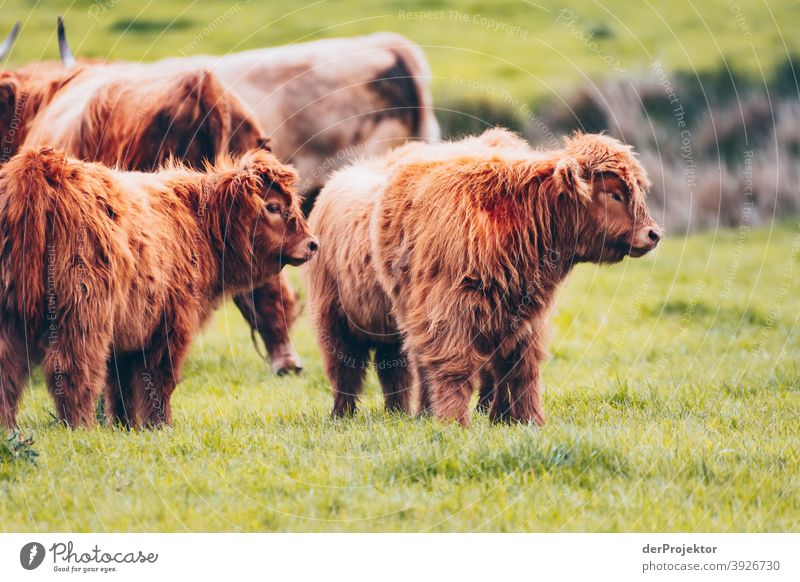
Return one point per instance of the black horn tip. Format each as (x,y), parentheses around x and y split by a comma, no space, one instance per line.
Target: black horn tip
(5,47)
(63,47)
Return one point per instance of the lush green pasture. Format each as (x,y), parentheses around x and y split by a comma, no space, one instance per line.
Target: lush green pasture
(529,49)
(673,393)
(673,399)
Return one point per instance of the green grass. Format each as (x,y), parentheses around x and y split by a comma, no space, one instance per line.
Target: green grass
(673,394)
(539,57)
(673,399)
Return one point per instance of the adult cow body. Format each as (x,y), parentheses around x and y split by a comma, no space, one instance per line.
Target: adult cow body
(137,119)
(327,102)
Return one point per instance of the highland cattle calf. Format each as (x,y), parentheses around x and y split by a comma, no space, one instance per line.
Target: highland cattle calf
(446,259)
(136,118)
(107,275)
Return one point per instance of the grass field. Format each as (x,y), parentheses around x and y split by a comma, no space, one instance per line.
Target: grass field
(673,392)
(673,399)
(530,49)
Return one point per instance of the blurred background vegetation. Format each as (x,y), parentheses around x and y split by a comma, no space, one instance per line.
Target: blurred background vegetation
(706,90)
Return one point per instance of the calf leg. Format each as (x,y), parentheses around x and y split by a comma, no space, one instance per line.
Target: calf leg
(450,397)
(155,378)
(445,378)
(270,310)
(500,407)
(75,371)
(486,390)
(450,386)
(345,360)
(13,372)
(119,405)
(517,395)
(346,369)
(395,377)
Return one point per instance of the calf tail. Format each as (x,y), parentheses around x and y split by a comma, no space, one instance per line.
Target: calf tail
(28,188)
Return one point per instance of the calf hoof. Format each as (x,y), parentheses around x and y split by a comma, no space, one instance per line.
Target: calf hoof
(286,361)
(286,371)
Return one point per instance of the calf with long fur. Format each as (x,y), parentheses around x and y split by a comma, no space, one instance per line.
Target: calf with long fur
(446,259)
(137,117)
(107,275)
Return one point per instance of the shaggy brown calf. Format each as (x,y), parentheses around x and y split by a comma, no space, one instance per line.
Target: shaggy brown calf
(445,259)
(107,275)
(137,117)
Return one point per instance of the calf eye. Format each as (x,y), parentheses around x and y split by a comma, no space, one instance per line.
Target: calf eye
(274,208)
(616,197)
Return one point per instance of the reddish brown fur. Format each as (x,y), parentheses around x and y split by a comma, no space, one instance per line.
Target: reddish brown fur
(23,93)
(448,258)
(135,118)
(107,275)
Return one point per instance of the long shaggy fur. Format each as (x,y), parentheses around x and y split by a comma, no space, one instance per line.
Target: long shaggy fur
(107,275)
(447,258)
(24,93)
(136,117)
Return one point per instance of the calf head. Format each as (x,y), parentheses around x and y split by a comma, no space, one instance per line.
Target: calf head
(257,223)
(607,187)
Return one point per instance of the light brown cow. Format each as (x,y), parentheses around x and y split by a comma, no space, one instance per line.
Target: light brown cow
(446,259)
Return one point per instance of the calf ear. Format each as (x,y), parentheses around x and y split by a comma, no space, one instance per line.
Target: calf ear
(572,177)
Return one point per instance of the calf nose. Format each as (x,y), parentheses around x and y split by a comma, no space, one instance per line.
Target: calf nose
(313,245)
(654,235)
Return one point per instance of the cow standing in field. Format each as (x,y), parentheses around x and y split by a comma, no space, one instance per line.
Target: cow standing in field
(137,118)
(446,259)
(108,275)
